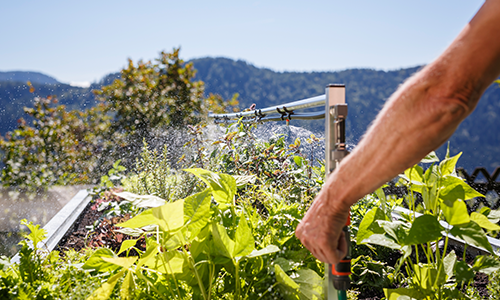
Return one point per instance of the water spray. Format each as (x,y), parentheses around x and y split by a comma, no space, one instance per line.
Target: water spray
(334,113)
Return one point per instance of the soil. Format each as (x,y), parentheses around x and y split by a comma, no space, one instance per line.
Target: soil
(103,233)
(78,238)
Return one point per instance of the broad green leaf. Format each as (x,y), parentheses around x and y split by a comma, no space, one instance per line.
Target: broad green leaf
(170,216)
(124,262)
(200,243)
(447,166)
(104,292)
(455,212)
(449,182)
(289,287)
(176,240)
(483,221)
(244,243)
(415,174)
(171,262)
(463,273)
(430,175)
(472,234)
(151,250)
(128,287)
(310,284)
(430,158)
(223,185)
(97,263)
(403,294)
(285,264)
(452,192)
(428,276)
(141,220)
(223,244)
(127,244)
(486,264)
(141,201)
(396,229)
(197,212)
(419,188)
(449,263)
(175,262)
(267,250)
(381,240)
(369,224)
(425,228)
(431,197)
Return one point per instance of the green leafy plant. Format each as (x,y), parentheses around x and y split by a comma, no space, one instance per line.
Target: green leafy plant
(432,273)
(40,274)
(210,244)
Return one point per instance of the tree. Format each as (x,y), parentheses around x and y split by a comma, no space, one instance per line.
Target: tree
(71,147)
(61,147)
(149,96)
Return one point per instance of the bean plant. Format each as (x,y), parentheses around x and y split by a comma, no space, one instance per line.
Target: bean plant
(211,245)
(422,233)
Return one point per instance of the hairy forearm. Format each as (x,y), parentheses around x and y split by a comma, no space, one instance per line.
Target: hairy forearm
(425,111)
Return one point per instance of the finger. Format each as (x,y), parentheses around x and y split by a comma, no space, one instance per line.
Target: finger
(298,231)
(337,251)
(320,254)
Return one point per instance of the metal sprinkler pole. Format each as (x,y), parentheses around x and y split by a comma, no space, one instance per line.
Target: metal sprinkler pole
(337,277)
(335,113)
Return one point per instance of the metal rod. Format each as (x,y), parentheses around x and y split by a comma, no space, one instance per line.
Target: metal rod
(299,116)
(282,109)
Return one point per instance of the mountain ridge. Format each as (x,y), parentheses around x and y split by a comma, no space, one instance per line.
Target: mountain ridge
(25,76)
(366,92)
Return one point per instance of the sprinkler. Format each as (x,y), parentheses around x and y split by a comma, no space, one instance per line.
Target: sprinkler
(335,113)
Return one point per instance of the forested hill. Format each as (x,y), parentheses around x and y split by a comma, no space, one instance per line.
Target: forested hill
(15,94)
(366,92)
(366,89)
(23,76)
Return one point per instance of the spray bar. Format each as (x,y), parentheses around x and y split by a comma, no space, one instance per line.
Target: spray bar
(274,117)
(285,111)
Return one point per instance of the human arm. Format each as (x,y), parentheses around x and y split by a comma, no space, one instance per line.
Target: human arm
(419,117)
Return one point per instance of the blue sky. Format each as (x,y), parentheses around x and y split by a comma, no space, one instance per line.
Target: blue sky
(81,41)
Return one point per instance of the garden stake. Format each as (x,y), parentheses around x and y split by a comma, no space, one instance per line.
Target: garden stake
(338,281)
